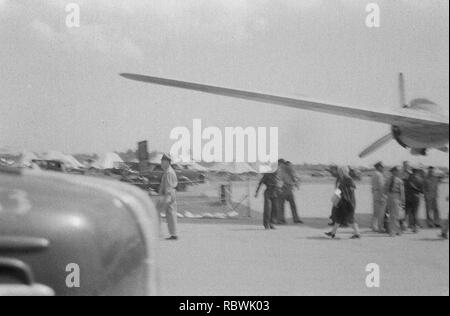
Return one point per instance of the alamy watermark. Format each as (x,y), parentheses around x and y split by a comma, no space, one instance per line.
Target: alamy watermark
(257,145)
(73,15)
(373,19)
(73,277)
(373,279)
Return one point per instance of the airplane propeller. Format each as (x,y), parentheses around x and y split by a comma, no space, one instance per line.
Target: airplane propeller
(377,145)
(402,93)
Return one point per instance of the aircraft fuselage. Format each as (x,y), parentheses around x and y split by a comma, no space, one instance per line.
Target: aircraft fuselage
(422,137)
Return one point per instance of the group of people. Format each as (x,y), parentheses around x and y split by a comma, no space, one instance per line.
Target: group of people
(396,199)
(280,186)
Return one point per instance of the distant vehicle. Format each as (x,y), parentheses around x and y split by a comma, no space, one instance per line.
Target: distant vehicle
(75,236)
(136,180)
(186,176)
(121,169)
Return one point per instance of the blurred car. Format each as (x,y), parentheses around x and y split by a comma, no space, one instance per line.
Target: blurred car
(53,222)
(120,169)
(185,176)
(56,165)
(136,180)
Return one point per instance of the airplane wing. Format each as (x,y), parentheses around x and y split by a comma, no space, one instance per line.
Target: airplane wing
(405,118)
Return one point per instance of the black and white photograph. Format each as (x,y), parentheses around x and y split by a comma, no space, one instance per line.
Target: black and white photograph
(227,155)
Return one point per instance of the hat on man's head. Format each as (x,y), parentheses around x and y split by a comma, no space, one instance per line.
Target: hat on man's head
(281,161)
(379,165)
(166,157)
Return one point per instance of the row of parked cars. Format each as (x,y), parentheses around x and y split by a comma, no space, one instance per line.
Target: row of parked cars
(150,179)
(66,235)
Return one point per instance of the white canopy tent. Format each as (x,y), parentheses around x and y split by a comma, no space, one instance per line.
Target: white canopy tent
(26,159)
(108,161)
(194,166)
(198,167)
(156,160)
(68,160)
(236,168)
(10,151)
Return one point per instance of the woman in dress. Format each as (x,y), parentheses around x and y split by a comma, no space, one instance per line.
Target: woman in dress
(396,202)
(345,208)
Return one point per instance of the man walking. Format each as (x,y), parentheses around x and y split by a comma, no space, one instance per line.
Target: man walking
(431,191)
(167,192)
(379,192)
(271,198)
(290,181)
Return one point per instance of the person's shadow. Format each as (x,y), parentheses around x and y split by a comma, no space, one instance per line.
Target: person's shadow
(436,239)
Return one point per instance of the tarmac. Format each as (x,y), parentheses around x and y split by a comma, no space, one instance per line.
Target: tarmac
(240,258)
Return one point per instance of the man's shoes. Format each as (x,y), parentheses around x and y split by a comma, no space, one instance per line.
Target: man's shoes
(298,221)
(356,236)
(330,234)
(172,238)
(272,227)
(444,236)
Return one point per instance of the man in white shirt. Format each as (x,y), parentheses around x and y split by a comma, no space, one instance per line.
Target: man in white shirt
(168,199)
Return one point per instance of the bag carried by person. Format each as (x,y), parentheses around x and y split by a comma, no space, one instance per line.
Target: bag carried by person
(336,198)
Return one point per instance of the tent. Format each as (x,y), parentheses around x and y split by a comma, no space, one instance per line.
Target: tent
(108,161)
(27,158)
(236,168)
(198,167)
(9,151)
(156,159)
(194,166)
(68,160)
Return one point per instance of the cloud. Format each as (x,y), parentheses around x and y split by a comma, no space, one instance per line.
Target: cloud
(94,38)
(148,22)
(235,19)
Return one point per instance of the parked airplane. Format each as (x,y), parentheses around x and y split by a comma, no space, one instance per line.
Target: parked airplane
(418,126)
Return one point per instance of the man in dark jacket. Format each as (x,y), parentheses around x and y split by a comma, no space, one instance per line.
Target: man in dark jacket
(290,182)
(273,185)
(413,190)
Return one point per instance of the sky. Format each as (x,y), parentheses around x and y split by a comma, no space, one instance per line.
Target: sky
(60,89)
